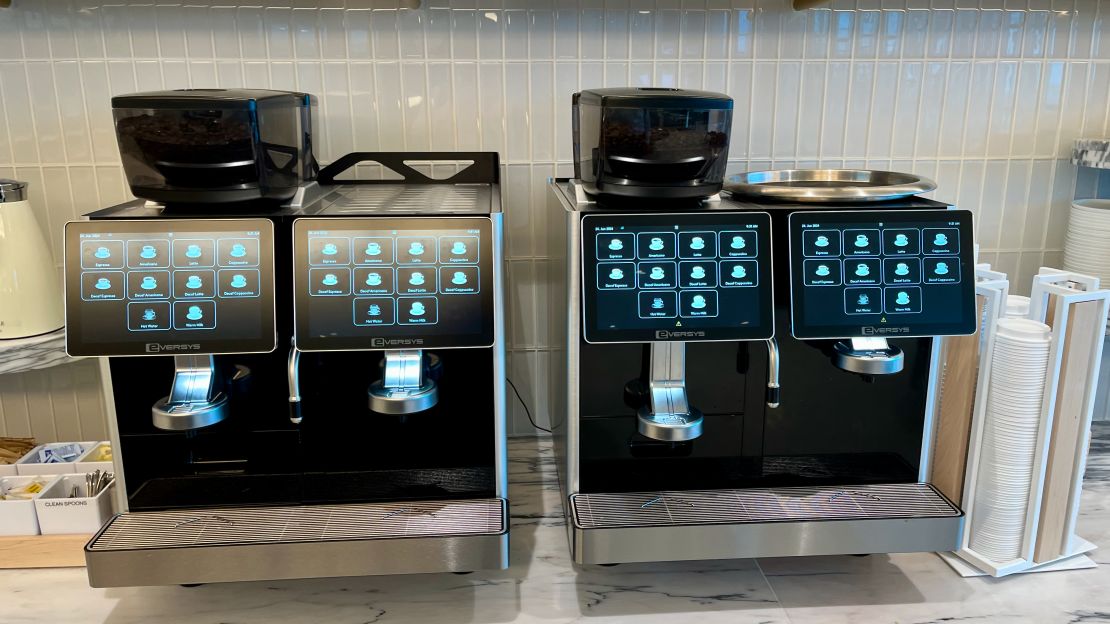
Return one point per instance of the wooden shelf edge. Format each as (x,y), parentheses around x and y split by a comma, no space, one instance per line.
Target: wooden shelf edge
(42,551)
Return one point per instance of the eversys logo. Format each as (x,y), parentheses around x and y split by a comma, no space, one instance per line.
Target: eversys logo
(396,342)
(884,331)
(157,347)
(664,334)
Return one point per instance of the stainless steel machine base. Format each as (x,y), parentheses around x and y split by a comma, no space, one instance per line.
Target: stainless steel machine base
(777,522)
(311,541)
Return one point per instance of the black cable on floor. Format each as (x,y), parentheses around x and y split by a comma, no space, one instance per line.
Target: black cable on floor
(527,411)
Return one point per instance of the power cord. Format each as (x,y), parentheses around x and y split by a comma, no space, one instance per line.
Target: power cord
(527,411)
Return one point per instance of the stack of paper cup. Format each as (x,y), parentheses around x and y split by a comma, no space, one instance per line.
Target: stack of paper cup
(1014,397)
(1017,306)
(1086,248)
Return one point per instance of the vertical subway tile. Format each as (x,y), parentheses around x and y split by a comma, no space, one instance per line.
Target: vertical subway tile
(1036,28)
(891,34)
(1025,109)
(1002,109)
(1015,207)
(786,107)
(817,34)
(543,111)
(18,112)
(1038,201)
(867,34)
(541,34)
(410,31)
(837,83)
(991,203)
(518,130)
(881,129)
(464,34)
(954,114)
(467,124)
(964,33)
(842,31)
(693,34)
(566,33)
(858,122)
(716,35)
(641,38)
(279,41)
(763,110)
(384,34)
(516,34)
(47,127)
(811,109)
(490,86)
(941,25)
(333,35)
(364,100)
(743,34)
(388,94)
(414,102)
(740,88)
(252,32)
(977,116)
(490,34)
(1013,32)
(616,34)
(668,26)
(71,110)
(337,97)
(915,33)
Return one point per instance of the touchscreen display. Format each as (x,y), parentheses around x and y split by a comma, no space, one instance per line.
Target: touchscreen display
(169,286)
(688,277)
(882,273)
(390,283)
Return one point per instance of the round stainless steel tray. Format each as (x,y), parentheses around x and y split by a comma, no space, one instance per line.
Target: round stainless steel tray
(828,185)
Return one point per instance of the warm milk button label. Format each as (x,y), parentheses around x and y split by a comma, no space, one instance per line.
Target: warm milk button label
(417,310)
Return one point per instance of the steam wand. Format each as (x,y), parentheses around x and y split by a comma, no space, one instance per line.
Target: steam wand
(293,371)
(774,392)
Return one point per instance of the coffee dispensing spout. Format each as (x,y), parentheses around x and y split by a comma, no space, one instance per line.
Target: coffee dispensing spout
(198,397)
(668,415)
(868,356)
(774,392)
(407,385)
(293,372)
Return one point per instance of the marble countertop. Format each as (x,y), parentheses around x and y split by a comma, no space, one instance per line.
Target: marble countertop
(541,586)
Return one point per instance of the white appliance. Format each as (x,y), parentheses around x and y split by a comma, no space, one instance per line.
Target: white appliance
(30,292)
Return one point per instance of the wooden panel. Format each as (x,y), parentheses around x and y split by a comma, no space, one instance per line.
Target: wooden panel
(1068,426)
(43,551)
(960,359)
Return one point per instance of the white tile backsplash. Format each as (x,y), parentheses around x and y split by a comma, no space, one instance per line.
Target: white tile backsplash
(985,98)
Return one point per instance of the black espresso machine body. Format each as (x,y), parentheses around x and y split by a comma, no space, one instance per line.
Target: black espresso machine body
(775,448)
(298,475)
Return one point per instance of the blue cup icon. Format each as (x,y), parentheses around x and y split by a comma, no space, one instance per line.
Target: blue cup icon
(373,249)
(416,248)
(738,242)
(739,272)
(616,273)
(148,252)
(194,313)
(329,279)
(102,253)
(698,303)
(458,248)
(238,281)
(863,299)
(941,239)
(329,249)
(103,283)
(238,250)
(901,269)
(616,244)
(656,273)
(698,272)
(375,310)
(697,243)
(822,270)
(193,251)
(416,279)
(193,281)
(657,303)
(903,298)
(656,244)
(862,240)
(863,270)
(374,279)
(417,309)
(822,241)
(459,278)
(149,314)
(941,268)
(901,240)
(148,283)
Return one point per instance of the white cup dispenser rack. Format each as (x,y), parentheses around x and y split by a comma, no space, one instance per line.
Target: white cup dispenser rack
(1012,450)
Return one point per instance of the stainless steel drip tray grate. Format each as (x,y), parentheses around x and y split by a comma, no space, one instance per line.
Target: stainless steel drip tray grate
(744,506)
(249,526)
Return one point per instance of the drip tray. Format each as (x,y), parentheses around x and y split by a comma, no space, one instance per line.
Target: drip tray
(769,522)
(256,543)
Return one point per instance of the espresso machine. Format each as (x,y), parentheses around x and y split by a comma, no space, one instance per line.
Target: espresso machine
(306,386)
(739,379)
